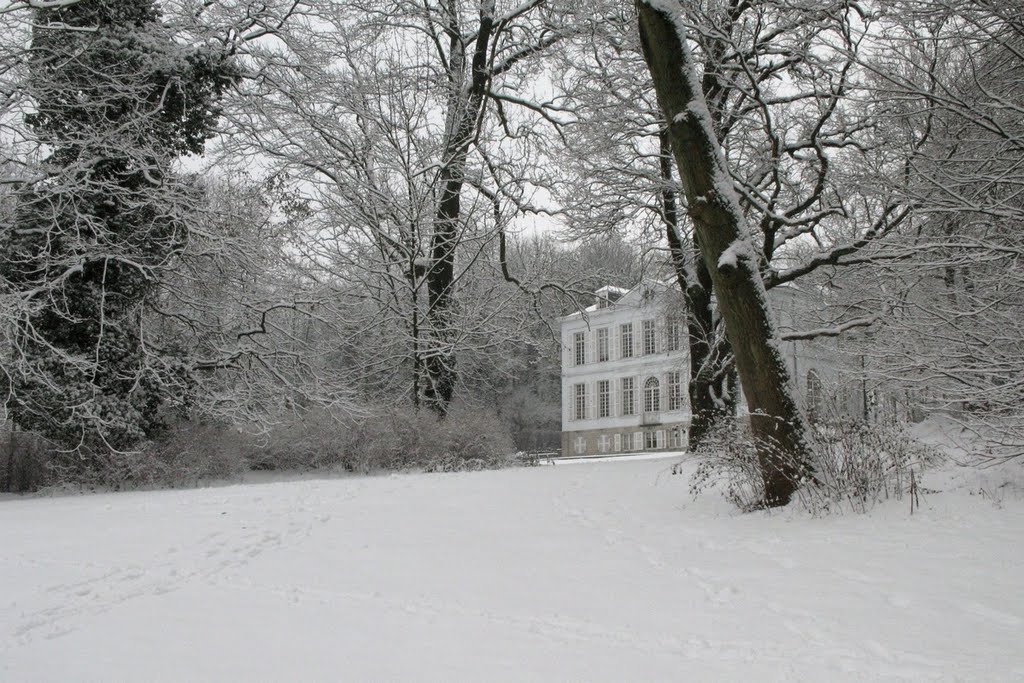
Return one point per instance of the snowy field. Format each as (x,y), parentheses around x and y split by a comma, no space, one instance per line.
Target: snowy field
(598,571)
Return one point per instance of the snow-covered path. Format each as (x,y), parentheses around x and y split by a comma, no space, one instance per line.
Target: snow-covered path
(604,571)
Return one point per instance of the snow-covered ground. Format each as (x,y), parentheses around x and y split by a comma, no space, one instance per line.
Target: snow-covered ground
(599,571)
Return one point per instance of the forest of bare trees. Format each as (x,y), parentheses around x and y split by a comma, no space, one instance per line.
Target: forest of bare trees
(269,219)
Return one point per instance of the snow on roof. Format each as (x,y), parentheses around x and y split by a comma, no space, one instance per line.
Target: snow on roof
(609,294)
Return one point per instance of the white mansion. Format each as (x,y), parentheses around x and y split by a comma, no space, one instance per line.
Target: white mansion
(625,369)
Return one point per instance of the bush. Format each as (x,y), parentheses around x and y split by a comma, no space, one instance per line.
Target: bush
(404,438)
(185,455)
(472,440)
(727,458)
(855,466)
(26,462)
(859,465)
(191,452)
(389,438)
(313,439)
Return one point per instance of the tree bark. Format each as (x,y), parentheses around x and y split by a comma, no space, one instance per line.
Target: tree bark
(464,109)
(776,423)
(711,389)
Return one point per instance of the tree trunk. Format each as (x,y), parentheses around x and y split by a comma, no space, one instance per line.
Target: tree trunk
(776,423)
(712,375)
(464,109)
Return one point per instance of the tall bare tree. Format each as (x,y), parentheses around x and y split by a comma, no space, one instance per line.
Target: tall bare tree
(406,124)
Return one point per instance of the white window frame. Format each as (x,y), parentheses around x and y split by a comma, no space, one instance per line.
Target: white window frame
(579,402)
(580,445)
(626,340)
(673,334)
(628,396)
(604,398)
(603,443)
(650,337)
(675,390)
(579,344)
(603,354)
(652,395)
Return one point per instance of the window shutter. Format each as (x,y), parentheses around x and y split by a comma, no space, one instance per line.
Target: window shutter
(660,438)
(617,439)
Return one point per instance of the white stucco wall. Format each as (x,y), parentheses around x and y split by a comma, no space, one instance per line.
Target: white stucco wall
(633,308)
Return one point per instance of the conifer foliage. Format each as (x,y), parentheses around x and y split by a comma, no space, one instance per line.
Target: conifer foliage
(117,100)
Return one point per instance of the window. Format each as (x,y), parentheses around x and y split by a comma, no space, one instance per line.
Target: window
(650,340)
(673,334)
(638,441)
(580,347)
(603,443)
(675,390)
(652,395)
(626,339)
(618,443)
(675,438)
(650,441)
(581,445)
(602,345)
(628,396)
(581,401)
(604,398)
(815,396)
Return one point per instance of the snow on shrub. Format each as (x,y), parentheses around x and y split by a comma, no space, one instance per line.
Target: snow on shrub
(855,465)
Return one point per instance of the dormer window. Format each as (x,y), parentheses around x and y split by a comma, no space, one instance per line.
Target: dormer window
(606,296)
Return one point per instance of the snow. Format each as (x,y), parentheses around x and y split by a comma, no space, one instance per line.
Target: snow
(597,571)
(738,249)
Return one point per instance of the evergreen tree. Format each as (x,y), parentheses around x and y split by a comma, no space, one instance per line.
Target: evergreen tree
(117,101)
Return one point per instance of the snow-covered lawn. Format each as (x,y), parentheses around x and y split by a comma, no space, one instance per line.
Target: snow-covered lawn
(599,571)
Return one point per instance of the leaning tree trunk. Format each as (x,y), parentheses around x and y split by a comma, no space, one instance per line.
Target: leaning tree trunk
(776,423)
(712,376)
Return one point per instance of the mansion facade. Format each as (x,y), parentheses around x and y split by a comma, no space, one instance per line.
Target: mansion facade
(625,369)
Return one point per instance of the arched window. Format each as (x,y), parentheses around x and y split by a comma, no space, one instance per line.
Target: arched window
(652,395)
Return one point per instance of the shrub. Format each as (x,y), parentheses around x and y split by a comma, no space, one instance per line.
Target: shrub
(471,439)
(389,438)
(26,462)
(184,455)
(858,465)
(312,439)
(855,466)
(727,458)
(190,452)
